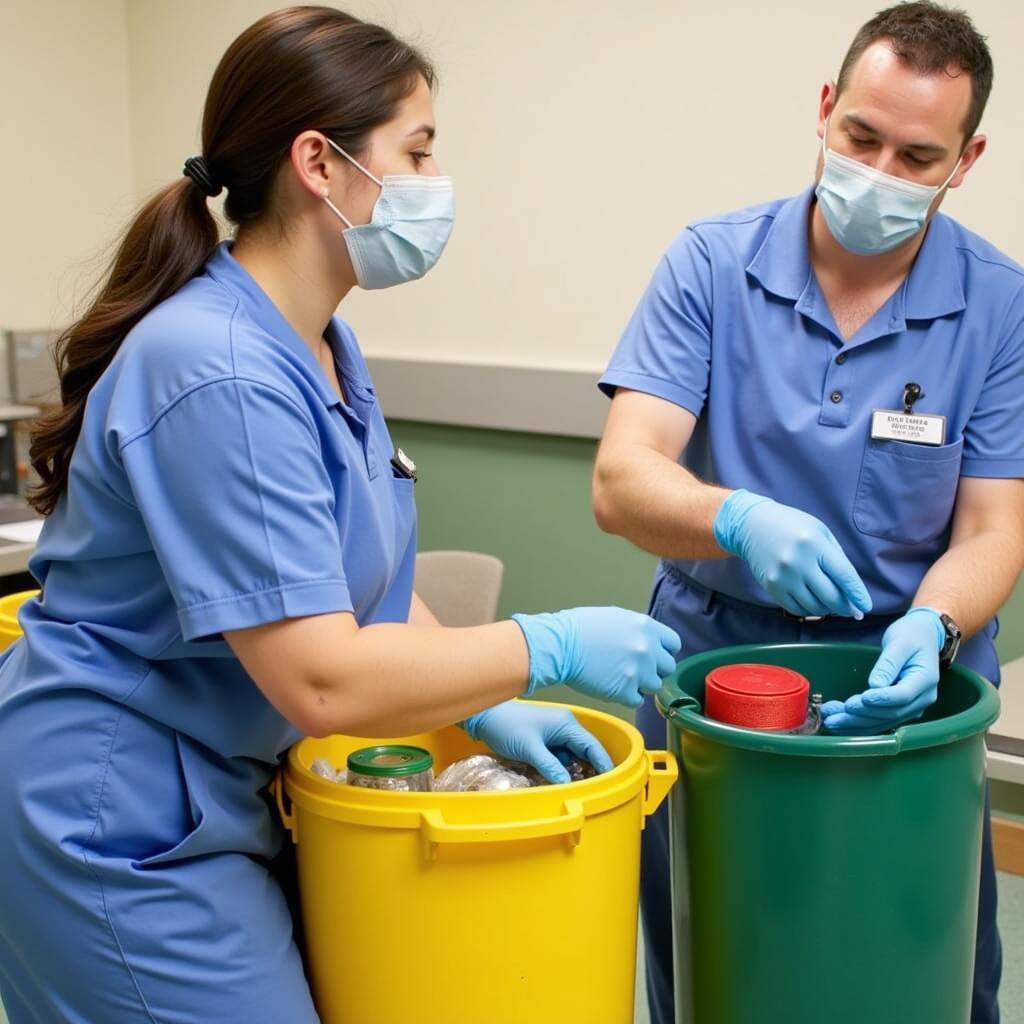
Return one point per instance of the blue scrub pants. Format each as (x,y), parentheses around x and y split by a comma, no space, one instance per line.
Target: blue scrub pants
(707,621)
(98,933)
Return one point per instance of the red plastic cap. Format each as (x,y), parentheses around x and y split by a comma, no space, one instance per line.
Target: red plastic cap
(757,696)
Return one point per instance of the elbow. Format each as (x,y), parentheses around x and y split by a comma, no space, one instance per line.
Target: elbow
(319,723)
(602,503)
(335,709)
(311,721)
(603,515)
(316,728)
(321,711)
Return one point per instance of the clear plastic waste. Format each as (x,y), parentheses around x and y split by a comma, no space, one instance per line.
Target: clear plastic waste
(812,723)
(579,769)
(487,773)
(478,773)
(322,767)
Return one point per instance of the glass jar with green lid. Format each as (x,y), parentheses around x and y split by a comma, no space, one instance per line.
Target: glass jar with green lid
(393,766)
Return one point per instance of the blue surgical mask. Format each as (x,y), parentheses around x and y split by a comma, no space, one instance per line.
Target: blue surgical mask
(408,230)
(867,211)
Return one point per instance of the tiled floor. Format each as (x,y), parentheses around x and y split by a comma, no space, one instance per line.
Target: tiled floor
(1011,922)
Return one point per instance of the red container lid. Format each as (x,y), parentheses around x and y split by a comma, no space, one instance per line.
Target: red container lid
(757,696)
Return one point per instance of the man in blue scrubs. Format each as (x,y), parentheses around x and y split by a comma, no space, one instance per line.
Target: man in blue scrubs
(819,410)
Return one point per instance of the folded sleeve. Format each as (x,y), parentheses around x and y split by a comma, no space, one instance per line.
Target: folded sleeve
(666,348)
(239,507)
(994,434)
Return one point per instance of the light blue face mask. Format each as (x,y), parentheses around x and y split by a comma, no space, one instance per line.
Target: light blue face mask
(867,211)
(408,230)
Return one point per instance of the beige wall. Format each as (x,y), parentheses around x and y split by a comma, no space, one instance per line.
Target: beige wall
(583,134)
(66,178)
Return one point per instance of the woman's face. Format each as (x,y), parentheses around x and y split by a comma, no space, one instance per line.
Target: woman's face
(404,145)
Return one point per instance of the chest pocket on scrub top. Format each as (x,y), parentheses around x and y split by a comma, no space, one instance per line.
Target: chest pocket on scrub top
(404,503)
(905,492)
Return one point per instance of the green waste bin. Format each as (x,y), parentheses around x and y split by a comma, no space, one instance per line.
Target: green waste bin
(826,879)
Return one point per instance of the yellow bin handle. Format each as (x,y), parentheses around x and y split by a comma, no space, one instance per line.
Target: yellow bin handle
(436,830)
(662,772)
(287,818)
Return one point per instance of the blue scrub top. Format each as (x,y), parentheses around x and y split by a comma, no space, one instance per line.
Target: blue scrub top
(218,483)
(734,328)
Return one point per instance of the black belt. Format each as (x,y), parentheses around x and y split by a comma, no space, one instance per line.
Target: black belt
(868,623)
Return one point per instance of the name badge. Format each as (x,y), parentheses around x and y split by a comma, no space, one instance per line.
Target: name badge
(914,428)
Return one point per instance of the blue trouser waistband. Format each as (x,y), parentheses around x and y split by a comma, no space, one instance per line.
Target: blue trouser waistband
(710,597)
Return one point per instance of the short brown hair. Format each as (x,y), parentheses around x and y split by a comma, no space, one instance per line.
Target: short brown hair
(930,38)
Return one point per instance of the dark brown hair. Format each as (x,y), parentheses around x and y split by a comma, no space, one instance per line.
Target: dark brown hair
(295,69)
(929,38)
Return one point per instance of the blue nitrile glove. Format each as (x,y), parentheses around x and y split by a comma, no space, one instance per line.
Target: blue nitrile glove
(792,555)
(608,653)
(538,734)
(904,681)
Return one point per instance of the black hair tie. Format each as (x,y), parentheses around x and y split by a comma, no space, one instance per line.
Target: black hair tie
(198,169)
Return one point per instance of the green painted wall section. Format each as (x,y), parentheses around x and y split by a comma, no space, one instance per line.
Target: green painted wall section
(1011,626)
(526,499)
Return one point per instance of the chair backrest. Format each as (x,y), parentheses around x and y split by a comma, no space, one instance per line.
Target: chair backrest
(461,588)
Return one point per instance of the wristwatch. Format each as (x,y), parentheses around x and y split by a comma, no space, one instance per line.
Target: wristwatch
(952,644)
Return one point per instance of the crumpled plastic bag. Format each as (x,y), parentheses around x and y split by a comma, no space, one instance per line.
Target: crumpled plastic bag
(487,773)
(322,767)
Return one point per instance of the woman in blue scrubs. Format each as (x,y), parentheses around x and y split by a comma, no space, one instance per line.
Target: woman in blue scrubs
(227,561)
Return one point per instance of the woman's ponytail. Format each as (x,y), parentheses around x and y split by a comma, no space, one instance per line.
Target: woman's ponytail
(166,245)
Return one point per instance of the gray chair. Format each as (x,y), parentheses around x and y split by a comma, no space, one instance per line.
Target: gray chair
(461,588)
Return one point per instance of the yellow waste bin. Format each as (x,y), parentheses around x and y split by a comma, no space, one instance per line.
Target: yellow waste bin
(10,628)
(517,907)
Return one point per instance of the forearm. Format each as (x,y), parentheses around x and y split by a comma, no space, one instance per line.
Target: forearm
(399,679)
(973,579)
(657,504)
(327,675)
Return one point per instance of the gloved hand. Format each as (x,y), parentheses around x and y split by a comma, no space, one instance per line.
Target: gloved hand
(792,555)
(608,653)
(903,683)
(538,734)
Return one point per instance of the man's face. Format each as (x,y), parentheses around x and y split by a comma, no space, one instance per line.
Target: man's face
(900,121)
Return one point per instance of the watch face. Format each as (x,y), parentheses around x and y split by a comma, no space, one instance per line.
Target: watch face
(952,644)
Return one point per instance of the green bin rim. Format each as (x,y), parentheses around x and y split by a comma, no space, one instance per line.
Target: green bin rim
(683,711)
